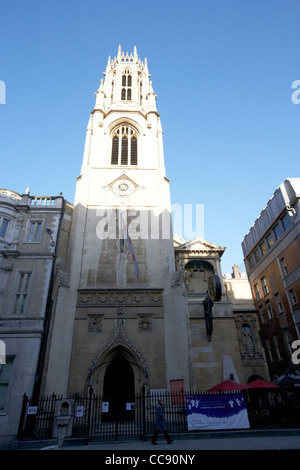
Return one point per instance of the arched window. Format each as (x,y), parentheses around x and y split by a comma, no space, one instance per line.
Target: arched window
(126,86)
(124,145)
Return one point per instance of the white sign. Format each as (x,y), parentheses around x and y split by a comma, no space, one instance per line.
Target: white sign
(105,407)
(79,411)
(2,352)
(130,406)
(32,410)
(217,411)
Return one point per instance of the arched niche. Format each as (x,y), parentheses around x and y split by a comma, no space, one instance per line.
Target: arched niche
(196,274)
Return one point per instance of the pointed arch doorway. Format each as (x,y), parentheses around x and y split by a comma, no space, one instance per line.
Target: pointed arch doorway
(119,391)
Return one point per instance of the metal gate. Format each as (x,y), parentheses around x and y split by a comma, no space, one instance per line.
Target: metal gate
(96,419)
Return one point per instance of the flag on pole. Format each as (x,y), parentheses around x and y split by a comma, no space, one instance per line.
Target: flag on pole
(129,242)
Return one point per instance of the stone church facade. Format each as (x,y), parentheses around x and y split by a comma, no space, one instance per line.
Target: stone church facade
(126,295)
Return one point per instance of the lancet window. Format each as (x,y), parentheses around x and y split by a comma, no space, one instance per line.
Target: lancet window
(124,146)
(126,86)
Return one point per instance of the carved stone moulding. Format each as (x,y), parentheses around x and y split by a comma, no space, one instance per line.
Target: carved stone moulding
(7,194)
(95,322)
(113,297)
(145,321)
(21,326)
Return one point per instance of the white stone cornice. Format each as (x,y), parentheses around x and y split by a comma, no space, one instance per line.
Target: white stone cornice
(200,246)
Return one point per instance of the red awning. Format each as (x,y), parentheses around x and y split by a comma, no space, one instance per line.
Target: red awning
(226,385)
(260,383)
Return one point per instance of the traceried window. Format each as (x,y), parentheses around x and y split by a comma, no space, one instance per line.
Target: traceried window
(124,146)
(126,86)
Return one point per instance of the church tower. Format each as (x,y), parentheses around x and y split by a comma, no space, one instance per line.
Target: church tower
(120,318)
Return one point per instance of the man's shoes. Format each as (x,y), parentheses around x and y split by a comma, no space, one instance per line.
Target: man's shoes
(154,443)
(170,442)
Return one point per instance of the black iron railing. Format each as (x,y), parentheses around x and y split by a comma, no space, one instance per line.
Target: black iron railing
(96,418)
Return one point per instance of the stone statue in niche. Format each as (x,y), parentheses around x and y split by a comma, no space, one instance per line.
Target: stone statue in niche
(248,340)
(208,304)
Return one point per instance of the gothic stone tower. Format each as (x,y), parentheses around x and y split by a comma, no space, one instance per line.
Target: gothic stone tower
(121,319)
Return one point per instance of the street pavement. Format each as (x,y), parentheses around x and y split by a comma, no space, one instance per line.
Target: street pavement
(276,449)
(255,441)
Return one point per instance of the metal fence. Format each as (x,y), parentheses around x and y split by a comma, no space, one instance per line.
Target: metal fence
(95,418)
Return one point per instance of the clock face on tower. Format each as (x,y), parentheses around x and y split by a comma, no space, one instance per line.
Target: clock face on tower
(123,187)
(214,288)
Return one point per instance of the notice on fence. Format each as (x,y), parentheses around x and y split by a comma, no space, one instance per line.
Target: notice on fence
(79,411)
(216,411)
(105,407)
(32,410)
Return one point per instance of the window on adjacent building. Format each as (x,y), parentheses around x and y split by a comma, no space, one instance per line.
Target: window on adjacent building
(257,293)
(22,292)
(126,86)
(262,314)
(257,255)
(265,286)
(277,231)
(279,302)
(269,310)
(124,146)
(270,349)
(284,266)
(288,339)
(293,296)
(34,231)
(286,221)
(5,373)
(3,226)
(263,248)
(276,342)
(270,239)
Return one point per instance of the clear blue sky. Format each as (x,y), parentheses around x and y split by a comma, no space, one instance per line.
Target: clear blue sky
(222,71)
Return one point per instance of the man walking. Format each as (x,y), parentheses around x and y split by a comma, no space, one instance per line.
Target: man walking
(160,423)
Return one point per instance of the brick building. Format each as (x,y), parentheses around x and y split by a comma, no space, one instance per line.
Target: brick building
(272,257)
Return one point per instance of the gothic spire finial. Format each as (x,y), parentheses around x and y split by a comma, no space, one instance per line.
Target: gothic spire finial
(119,52)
